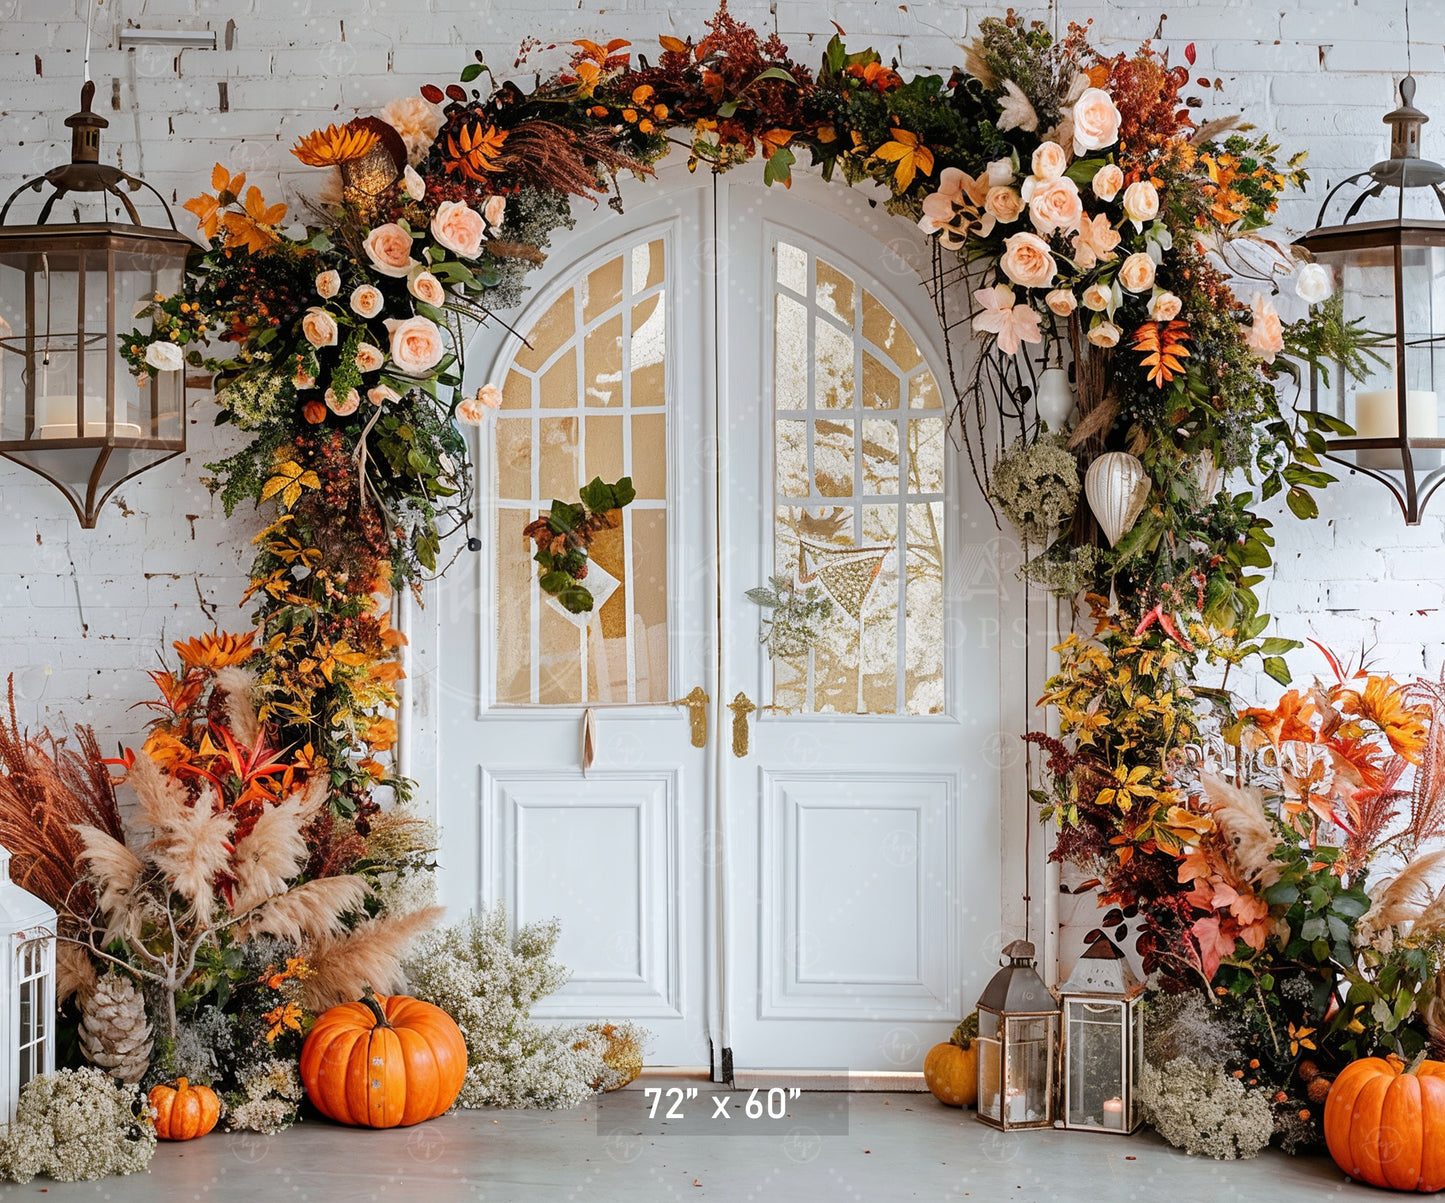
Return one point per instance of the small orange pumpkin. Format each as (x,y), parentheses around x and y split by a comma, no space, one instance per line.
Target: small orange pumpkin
(384,1062)
(1385,1124)
(184,1111)
(951,1068)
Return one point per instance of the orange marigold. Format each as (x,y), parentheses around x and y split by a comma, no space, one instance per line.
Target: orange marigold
(216,650)
(334,145)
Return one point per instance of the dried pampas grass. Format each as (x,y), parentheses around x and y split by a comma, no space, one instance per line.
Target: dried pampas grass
(116,871)
(238,688)
(162,799)
(367,955)
(1406,897)
(307,912)
(275,849)
(74,972)
(191,847)
(1244,822)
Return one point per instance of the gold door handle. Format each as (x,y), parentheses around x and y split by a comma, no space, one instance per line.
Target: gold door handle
(741,708)
(696,703)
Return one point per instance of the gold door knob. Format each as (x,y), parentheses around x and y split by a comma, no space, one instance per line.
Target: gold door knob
(696,703)
(741,708)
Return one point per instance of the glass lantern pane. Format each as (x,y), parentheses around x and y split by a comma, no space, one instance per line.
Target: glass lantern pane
(1028,1072)
(1423,276)
(989,1078)
(1094,1064)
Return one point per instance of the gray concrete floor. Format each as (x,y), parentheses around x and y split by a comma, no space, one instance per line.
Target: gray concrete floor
(897,1146)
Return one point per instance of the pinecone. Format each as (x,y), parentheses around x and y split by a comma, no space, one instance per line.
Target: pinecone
(114,1033)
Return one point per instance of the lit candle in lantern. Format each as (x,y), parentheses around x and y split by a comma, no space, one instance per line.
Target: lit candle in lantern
(1377,416)
(1114,1114)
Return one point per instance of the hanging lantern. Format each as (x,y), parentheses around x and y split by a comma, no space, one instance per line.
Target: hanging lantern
(27,988)
(1103,1043)
(69,407)
(1018,1028)
(1117,488)
(1386,256)
(1055,400)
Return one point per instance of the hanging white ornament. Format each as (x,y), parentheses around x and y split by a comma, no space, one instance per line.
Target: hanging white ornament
(1055,399)
(1207,475)
(1117,488)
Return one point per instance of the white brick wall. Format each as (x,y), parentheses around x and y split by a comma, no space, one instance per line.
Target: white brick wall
(87,609)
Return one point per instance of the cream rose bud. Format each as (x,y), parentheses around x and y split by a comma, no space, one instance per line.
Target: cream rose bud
(1107,182)
(412,184)
(369,358)
(1000,172)
(426,287)
(1314,283)
(474,409)
(1141,201)
(328,284)
(1164,307)
(1062,301)
(1027,261)
(1136,273)
(366,301)
(379,394)
(319,327)
(416,345)
(495,211)
(1097,297)
(490,396)
(165,357)
(1096,121)
(459,228)
(344,407)
(303,379)
(1049,161)
(389,249)
(1004,203)
(1104,334)
(1055,205)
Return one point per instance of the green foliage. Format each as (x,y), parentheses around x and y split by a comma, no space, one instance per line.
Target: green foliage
(566,531)
(792,623)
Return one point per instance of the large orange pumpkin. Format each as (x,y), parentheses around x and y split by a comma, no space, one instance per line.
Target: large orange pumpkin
(1385,1124)
(951,1069)
(384,1062)
(184,1111)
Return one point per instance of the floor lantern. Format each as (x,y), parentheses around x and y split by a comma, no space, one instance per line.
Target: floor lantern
(1018,1028)
(1103,1041)
(69,407)
(1385,254)
(27,988)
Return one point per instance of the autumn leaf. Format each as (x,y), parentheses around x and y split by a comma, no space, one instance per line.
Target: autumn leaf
(676,45)
(910,158)
(1163,344)
(208,214)
(289,481)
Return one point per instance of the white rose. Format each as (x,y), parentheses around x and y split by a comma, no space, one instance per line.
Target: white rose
(1105,334)
(1107,182)
(1000,173)
(1049,161)
(328,284)
(1096,121)
(1097,297)
(366,301)
(1314,283)
(1164,307)
(412,184)
(1141,202)
(165,357)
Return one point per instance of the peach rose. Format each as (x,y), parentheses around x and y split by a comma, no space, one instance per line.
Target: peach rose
(379,394)
(369,358)
(474,409)
(389,249)
(1141,202)
(1164,307)
(426,287)
(412,184)
(1264,337)
(416,345)
(1004,203)
(459,228)
(1027,261)
(1055,205)
(366,301)
(490,396)
(319,327)
(1062,301)
(1049,161)
(1136,273)
(328,284)
(1096,121)
(1097,298)
(344,408)
(1107,182)
(495,211)
(1104,334)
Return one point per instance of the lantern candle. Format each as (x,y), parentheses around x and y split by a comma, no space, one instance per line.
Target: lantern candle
(1114,1114)
(55,418)
(1377,416)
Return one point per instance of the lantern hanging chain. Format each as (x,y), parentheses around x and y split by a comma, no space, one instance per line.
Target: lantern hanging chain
(45,358)
(89,23)
(1408,70)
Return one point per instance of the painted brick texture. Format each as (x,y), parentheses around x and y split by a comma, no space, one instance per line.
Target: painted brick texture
(86,610)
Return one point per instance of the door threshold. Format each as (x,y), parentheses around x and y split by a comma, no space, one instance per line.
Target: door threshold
(892,1081)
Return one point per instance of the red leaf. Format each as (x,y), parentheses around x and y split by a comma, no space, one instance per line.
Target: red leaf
(1189,54)
(432,93)
(456,92)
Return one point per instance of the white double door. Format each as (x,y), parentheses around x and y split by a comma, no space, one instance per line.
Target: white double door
(813,880)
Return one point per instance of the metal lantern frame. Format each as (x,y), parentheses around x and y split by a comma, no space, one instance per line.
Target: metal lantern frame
(1102,991)
(52,249)
(1392,238)
(27,989)
(1015,1002)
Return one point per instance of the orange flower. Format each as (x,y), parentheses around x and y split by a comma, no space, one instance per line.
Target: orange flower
(216,650)
(642,93)
(380,734)
(1163,345)
(166,750)
(473,152)
(280,1019)
(1383,703)
(252,229)
(909,156)
(334,145)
